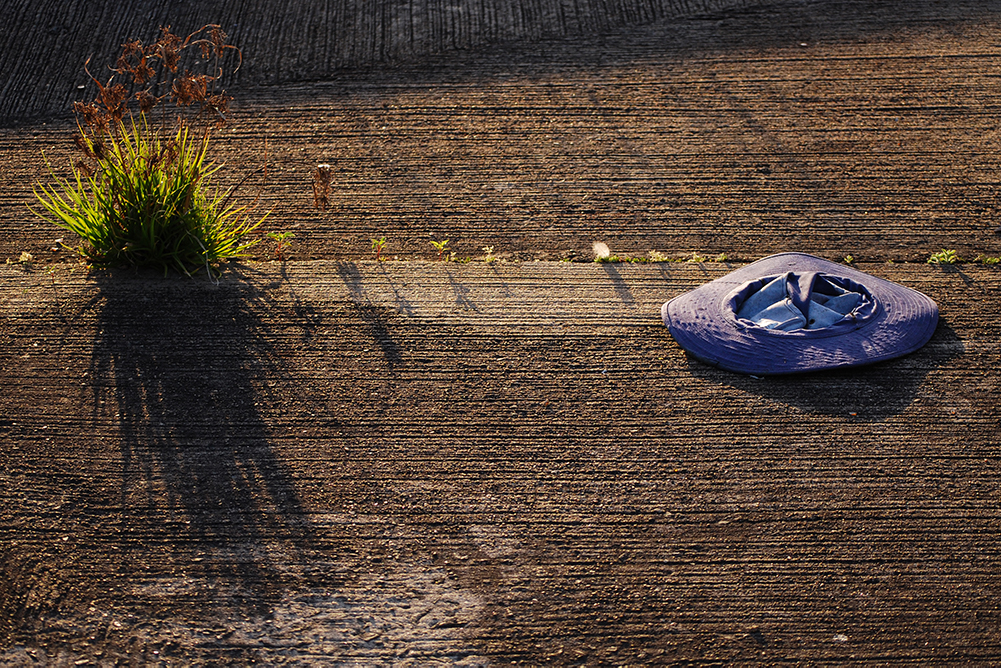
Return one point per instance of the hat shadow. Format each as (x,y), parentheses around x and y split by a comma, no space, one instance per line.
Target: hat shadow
(869,393)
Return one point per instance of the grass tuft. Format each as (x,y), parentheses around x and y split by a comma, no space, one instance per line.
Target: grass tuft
(148,203)
(141,197)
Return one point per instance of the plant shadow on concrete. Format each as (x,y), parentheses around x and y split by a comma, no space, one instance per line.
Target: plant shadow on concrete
(375,317)
(868,393)
(203,491)
(621,287)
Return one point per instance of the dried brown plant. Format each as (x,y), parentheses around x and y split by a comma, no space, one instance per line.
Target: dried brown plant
(168,48)
(152,72)
(321,186)
(85,168)
(146,101)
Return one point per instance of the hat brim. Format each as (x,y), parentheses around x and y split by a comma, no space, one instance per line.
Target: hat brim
(703,325)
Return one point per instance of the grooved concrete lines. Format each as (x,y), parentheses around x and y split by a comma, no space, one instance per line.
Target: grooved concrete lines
(876,139)
(416,462)
(45,44)
(337,461)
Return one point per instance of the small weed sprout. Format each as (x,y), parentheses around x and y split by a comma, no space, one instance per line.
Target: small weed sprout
(139,195)
(722,257)
(657,256)
(489,250)
(848,259)
(321,187)
(987,261)
(283,243)
(619,259)
(944,257)
(440,245)
(377,246)
(696,259)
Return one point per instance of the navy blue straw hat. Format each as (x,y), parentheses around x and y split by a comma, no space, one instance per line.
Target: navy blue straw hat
(792,312)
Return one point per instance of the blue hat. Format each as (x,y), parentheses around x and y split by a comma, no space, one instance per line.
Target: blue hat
(793,312)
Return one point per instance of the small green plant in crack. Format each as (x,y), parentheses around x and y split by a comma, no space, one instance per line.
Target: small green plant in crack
(283,243)
(489,250)
(849,260)
(621,259)
(987,261)
(696,259)
(377,246)
(440,245)
(944,257)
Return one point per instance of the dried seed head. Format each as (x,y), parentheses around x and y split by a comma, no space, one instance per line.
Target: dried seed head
(130,49)
(168,48)
(191,88)
(97,146)
(170,152)
(114,100)
(93,116)
(158,62)
(84,168)
(144,72)
(218,38)
(132,62)
(82,145)
(321,187)
(218,106)
(146,100)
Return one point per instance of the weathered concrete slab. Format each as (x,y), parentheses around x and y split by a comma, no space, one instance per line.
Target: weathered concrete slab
(45,44)
(877,139)
(410,462)
(413,462)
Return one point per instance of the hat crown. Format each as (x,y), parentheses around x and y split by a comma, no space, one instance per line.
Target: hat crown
(796,301)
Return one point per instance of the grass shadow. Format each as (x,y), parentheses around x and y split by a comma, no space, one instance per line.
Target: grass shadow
(619,284)
(375,317)
(181,369)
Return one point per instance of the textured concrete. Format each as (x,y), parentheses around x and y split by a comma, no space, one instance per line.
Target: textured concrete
(483,463)
(338,461)
(44,44)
